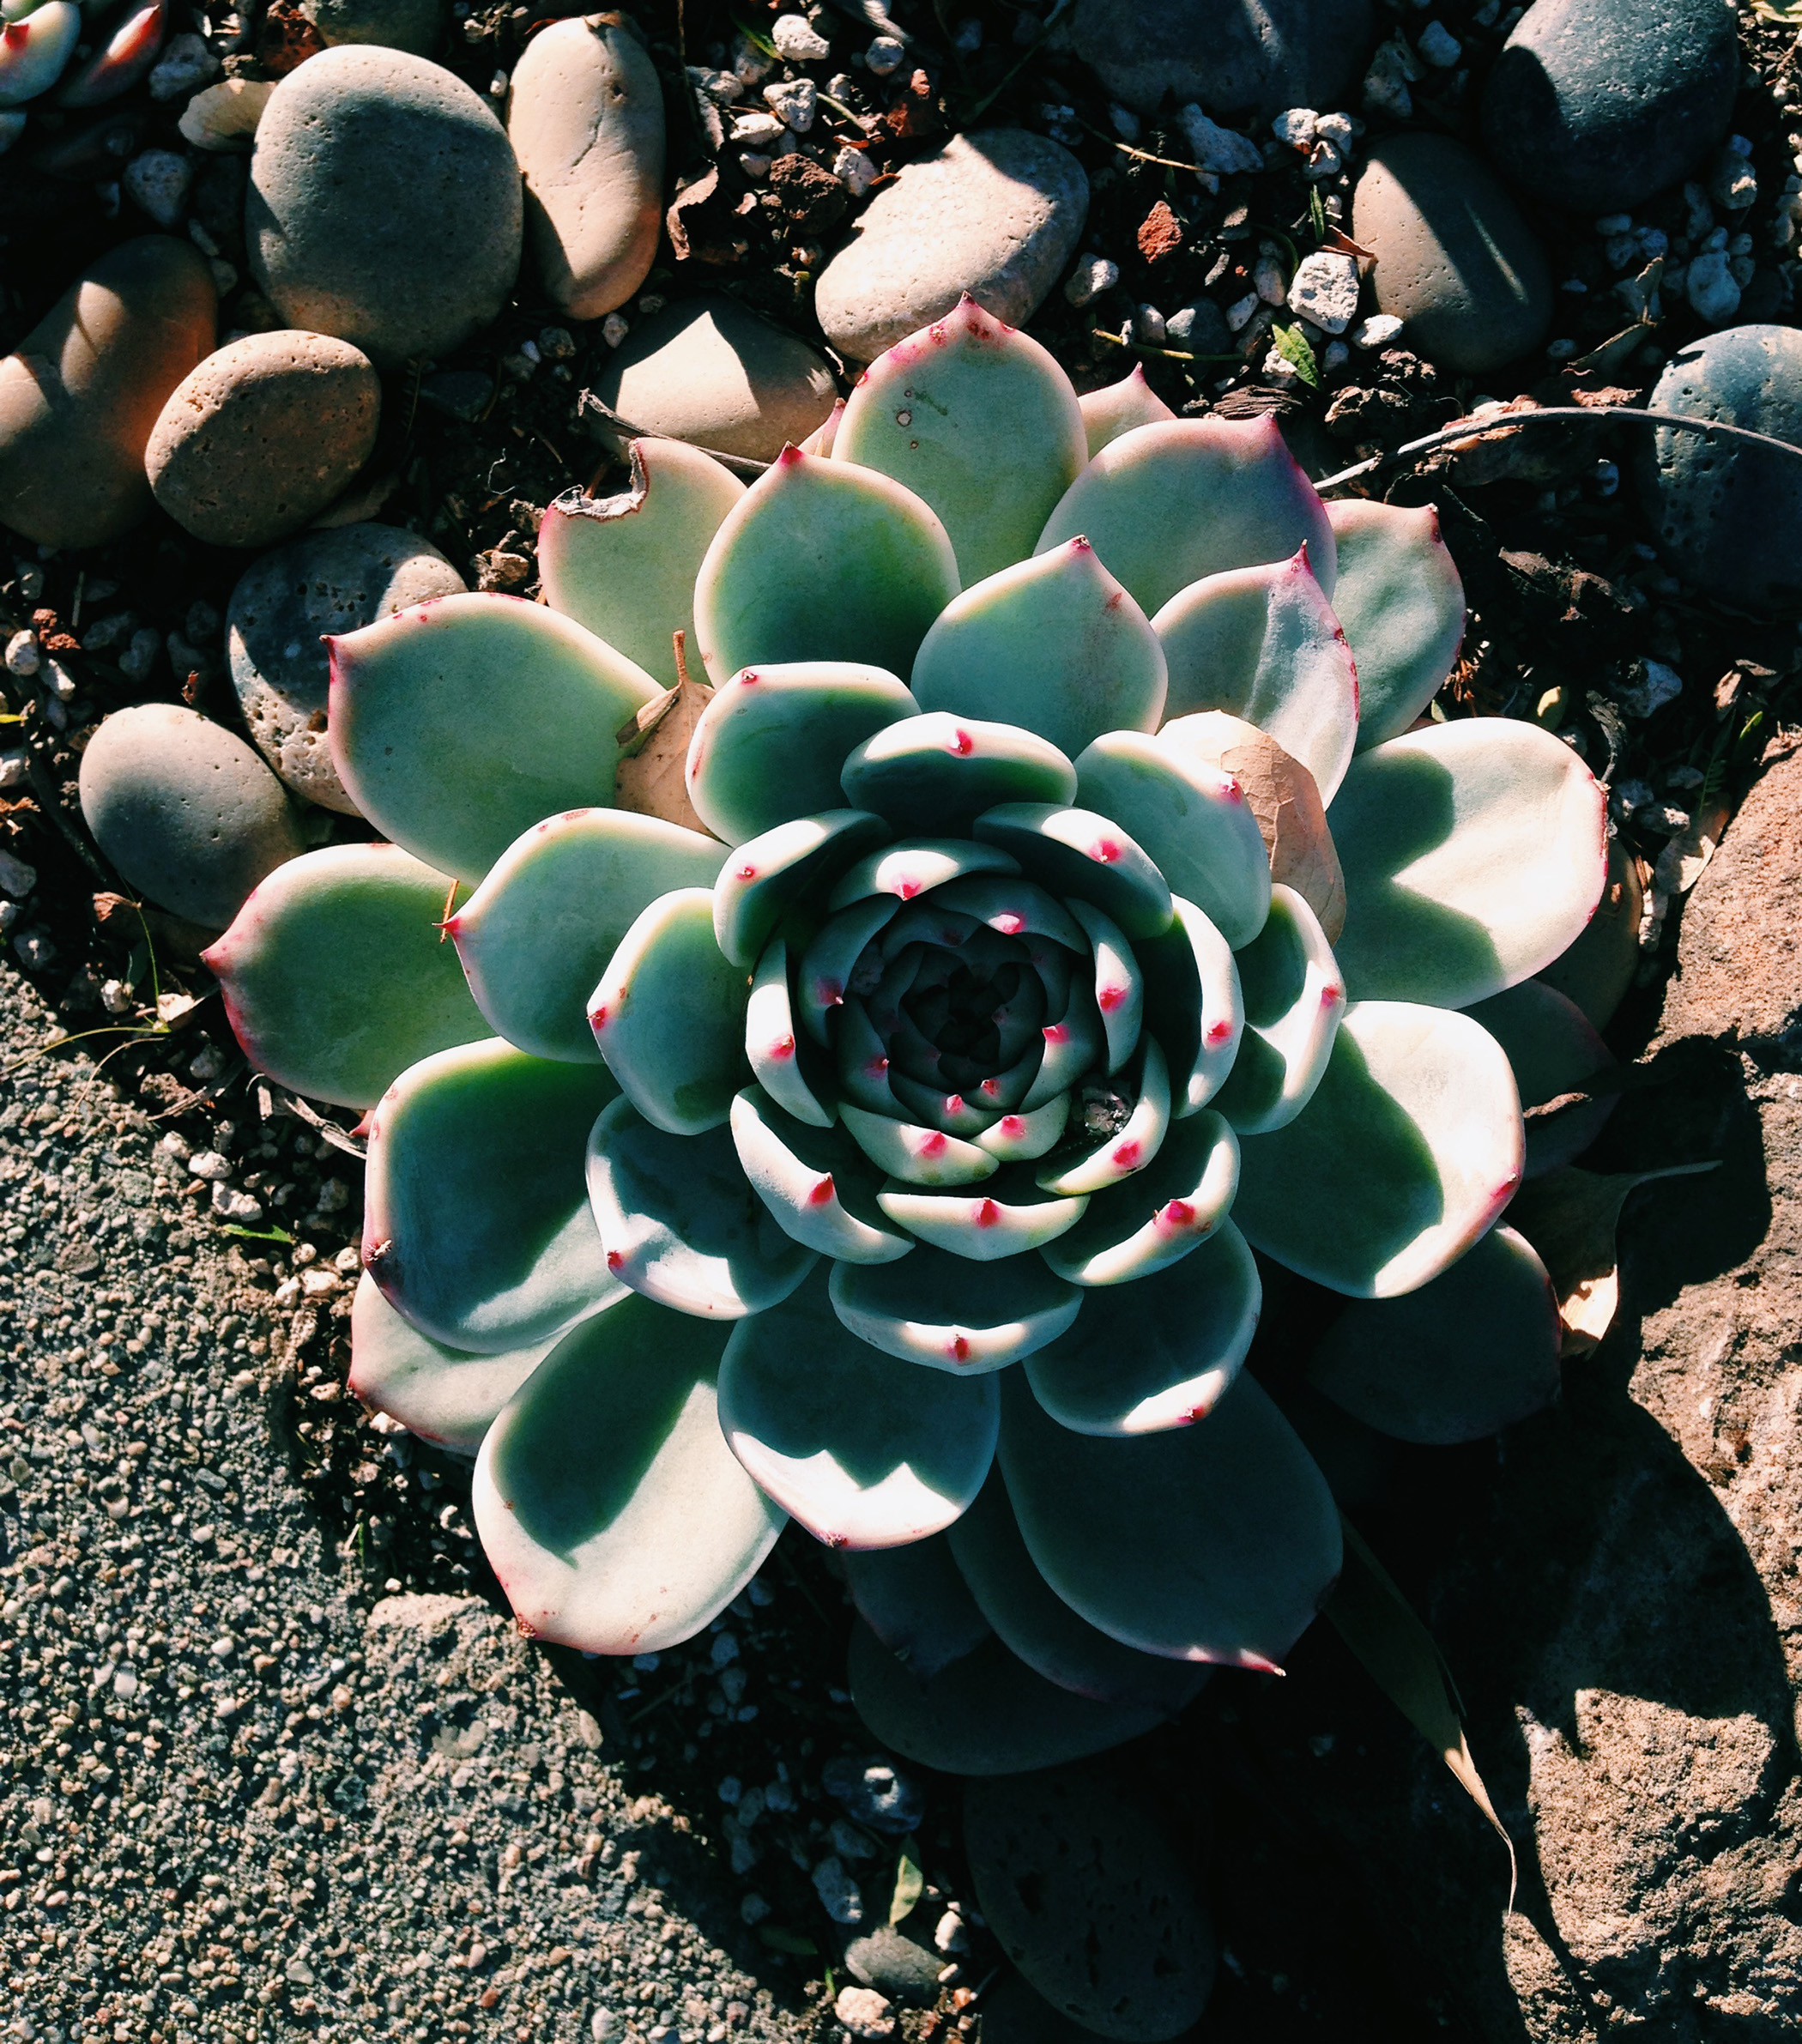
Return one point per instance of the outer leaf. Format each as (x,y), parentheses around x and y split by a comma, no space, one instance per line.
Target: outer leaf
(764,876)
(458,724)
(819,1186)
(1473,853)
(822,560)
(1158,1215)
(1192,818)
(1193,1005)
(771,744)
(1411,1146)
(681,1222)
(536,936)
(1294,998)
(935,773)
(949,1314)
(334,976)
(1117,409)
(1217,1542)
(913,867)
(915,1603)
(1401,602)
(669,1016)
(1157,1353)
(863,1450)
(1561,1066)
(980,422)
(443,1394)
(624,566)
(608,1501)
(1054,644)
(1079,852)
(1263,644)
(1167,503)
(1464,1355)
(474,1222)
(779,1057)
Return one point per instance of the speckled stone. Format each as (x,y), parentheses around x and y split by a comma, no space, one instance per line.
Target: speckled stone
(706,371)
(1596,105)
(1455,259)
(187,812)
(385,203)
(396,24)
(263,435)
(585,117)
(1729,517)
(1233,57)
(998,213)
(78,399)
(280,610)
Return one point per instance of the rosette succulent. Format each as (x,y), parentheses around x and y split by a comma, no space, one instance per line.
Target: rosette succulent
(1072,902)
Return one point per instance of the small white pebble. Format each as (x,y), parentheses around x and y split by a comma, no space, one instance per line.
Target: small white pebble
(23,656)
(17,878)
(614,329)
(210,1165)
(1091,276)
(853,169)
(883,57)
(797,38)
(864,2012)
(1377,331)
(1297,128)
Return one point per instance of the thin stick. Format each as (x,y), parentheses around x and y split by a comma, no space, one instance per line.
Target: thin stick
(680,640)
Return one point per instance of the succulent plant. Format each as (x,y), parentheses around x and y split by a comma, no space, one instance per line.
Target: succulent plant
(1074,902)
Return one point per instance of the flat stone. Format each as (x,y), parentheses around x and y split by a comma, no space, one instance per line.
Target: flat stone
(186,812)
(1455,259)
(1595,105)
(1240,57)
(706,371)
(385,203)
(79,397)
(1729,517)
(283,606)
(263,435)
(585,117)
(998,213)
(396,24)
(897,1967)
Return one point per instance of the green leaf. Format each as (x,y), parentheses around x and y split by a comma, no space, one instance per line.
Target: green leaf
(978,421)
(1008,1216)
(536,934)
(1077,851)
(765,875)
(334,977)
(1119,983)
(1117,409)
(1556,1057)
(1193,1004)
(909,1882)
(952,1314)
(1110,1158)
(1294,1000)
(450,764)
(1292,343)
(1158,1215)
(934,774)
(1401,602)
(911,1151)
(818,1185)
(916,1604)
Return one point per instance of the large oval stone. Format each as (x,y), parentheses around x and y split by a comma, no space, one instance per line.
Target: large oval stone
(1086,1897)
(1235,56)
(1596,104)
(323,581)
(263,435)
(1729,516)
(383,204)
(708,371)
(186,811)
(1455,259)
(79,398)
(997,214)
(585,117)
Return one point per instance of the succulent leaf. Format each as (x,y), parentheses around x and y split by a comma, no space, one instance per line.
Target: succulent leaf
(1119,984)
(828,962)
(1263,644)
(978,420)
(863,1450)
(782,1062)
(1157,1353)
(1410,1147)
(1074,1042)
(912,1151)
(1020,1136)
(1119,1152)
(771,743)
(1008,1218)
(1117,409)
(474,1224)
(1401,602)
(1216,1542)
(945,1312)
(1053,645)
(819,1186)
(767,874)
(1473,852)
(612,1511)
(1294,998)
(1474,1350)
(1169,503)
(681,1222)
(1076,851)
(1158,1215)
(822,559)
(1556,1056)
(934,773)
(1014,906)
(624,566)
(1193,1005)
(535,937)
(915,1603)
(913,867)
(334,978)
(454,767)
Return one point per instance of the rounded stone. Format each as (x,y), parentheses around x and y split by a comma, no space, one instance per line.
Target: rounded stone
(585,117)
(706,371)
(280,614)
(998,213)
(79,397)
(395,24)
(1596,105)
(1455,259)
(1086,1896)
(263,435)
(186,812)
(383,204)
(896,1965)
(1234,57)
(1727,515)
